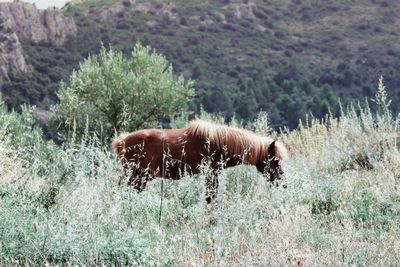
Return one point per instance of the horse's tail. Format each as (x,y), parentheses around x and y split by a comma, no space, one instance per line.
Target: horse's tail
(118,144)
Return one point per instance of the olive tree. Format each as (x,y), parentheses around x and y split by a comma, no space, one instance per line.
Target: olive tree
(112,93)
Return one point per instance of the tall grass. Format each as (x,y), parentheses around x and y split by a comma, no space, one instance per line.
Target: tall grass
(340,203)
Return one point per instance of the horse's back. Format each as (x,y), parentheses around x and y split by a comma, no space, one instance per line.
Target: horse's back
(132,143)
(147,136)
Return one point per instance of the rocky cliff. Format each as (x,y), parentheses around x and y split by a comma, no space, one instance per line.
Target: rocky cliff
(11,52)
(20,21)
(30,23)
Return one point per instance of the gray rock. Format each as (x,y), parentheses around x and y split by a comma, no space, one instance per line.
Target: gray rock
(23,21)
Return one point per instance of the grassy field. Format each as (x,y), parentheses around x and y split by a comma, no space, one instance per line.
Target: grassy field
(340,205)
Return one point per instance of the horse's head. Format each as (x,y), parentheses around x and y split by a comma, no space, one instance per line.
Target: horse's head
(271,166)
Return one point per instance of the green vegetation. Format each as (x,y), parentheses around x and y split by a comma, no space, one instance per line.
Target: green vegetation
(340,204)
(288,58)
(110,93)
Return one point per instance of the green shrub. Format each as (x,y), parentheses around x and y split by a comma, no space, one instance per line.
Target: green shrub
(111,93)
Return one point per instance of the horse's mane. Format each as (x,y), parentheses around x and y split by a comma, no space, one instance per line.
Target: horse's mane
(236,141)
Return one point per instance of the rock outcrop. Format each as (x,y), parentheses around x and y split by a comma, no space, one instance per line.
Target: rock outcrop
(11,52)
(30,23)
(20,21)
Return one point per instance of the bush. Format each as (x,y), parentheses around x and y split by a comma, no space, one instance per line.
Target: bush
(111,93)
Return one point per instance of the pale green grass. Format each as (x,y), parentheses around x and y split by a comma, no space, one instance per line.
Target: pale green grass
(340,206)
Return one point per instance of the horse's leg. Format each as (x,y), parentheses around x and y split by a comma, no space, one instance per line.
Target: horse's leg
(138,182)
(211,186)
(138,178)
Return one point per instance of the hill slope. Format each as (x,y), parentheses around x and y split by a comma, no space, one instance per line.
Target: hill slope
(285,57)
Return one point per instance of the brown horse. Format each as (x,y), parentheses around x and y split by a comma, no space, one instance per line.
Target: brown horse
(202,146)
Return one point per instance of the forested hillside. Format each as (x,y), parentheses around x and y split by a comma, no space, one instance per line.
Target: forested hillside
(288,58)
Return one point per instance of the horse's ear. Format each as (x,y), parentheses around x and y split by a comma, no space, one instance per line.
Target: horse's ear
(272,149)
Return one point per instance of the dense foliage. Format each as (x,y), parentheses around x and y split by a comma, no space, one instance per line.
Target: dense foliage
(288,58)
(111,93)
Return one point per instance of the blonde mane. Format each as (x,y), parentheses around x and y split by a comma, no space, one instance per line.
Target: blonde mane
(236,141)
